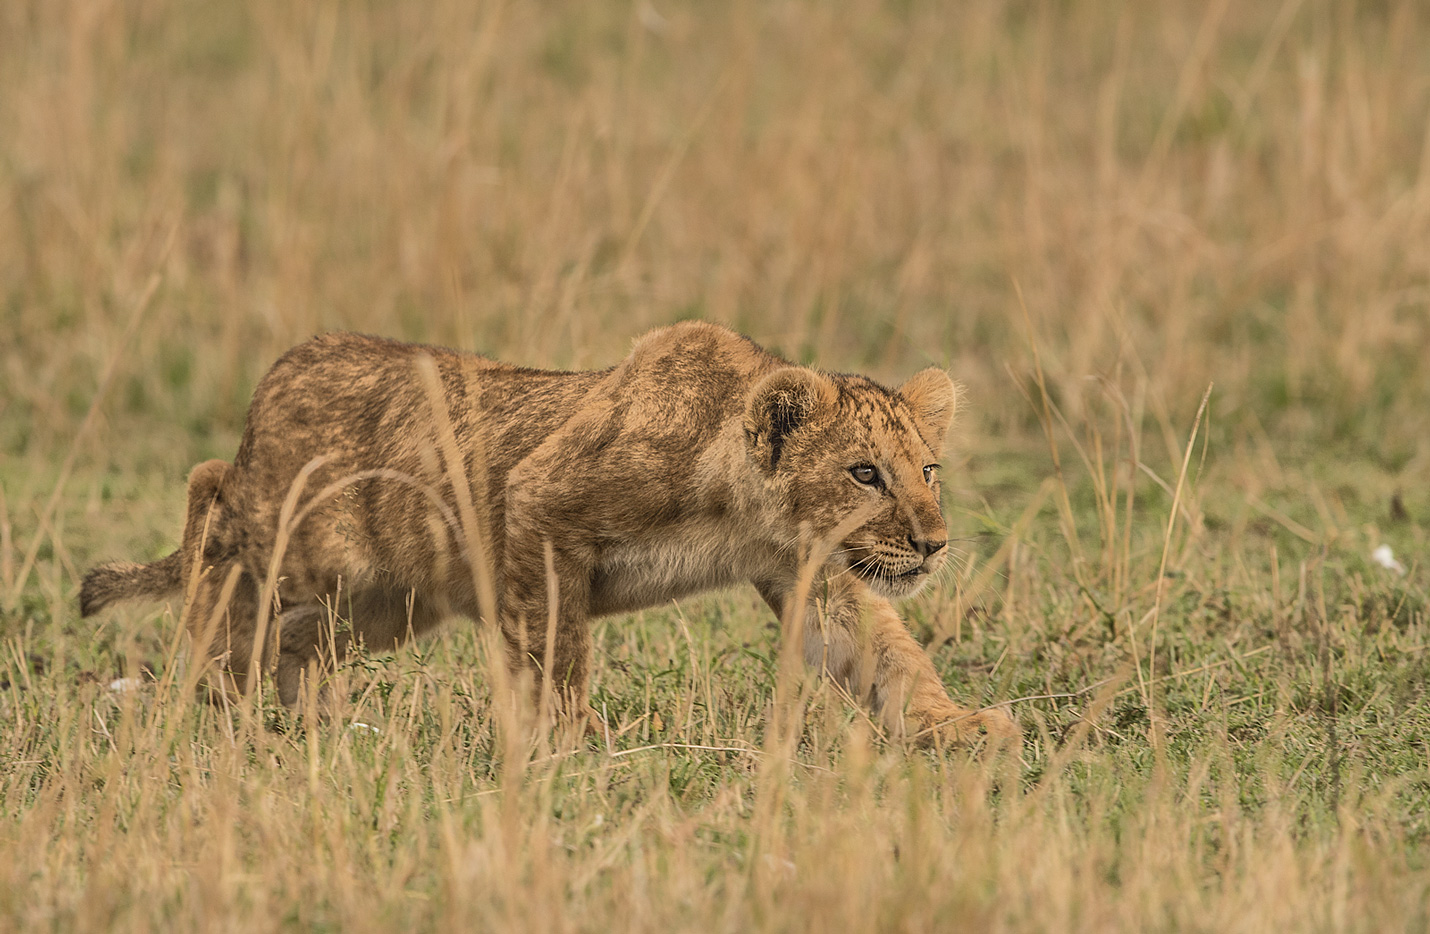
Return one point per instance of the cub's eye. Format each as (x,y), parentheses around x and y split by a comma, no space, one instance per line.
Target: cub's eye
(865,474)
(929,472)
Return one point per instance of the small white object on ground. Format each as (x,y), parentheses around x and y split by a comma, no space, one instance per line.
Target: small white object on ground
(1384,557)
(124,685)
(361,727)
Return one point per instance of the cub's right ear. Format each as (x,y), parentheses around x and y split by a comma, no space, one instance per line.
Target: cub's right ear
(782,403)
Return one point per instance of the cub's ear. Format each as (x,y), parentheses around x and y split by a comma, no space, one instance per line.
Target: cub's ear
(932,397)
(783,402)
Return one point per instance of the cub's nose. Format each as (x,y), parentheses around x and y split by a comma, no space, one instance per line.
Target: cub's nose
(928,547)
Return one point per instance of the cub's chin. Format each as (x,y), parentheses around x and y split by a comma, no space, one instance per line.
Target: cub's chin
(892,585)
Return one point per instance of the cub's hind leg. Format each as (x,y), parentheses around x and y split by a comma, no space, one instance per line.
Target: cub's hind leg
(313,637)
(220,616)
(220,598)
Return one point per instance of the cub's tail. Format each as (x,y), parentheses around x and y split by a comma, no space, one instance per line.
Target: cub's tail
(124,580)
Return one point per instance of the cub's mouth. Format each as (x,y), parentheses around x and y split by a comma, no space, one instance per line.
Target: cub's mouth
(876,572)
(890,582)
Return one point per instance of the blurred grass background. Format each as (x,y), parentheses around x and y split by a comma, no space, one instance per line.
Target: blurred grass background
(1089,212)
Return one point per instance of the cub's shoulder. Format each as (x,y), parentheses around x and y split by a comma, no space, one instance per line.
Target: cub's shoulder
(699,344)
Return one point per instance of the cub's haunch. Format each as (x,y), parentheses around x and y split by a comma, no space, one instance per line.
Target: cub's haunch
(699,461)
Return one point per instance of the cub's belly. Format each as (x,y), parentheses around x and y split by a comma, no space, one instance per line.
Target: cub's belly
(657,569)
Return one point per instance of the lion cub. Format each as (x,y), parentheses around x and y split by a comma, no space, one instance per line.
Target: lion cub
(699,461)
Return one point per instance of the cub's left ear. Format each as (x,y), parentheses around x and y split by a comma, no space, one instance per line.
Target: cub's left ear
(933,397)
(782,403)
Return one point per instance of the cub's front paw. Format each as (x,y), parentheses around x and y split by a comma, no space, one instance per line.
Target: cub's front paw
(958,726)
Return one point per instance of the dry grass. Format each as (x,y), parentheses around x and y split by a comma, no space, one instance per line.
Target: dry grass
(1089,213)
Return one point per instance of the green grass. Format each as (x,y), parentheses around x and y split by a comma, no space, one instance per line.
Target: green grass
(1088,214)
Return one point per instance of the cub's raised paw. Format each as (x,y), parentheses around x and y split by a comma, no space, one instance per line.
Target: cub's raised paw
(954,725)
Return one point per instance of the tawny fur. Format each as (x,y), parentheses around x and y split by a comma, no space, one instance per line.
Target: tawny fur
(699,461)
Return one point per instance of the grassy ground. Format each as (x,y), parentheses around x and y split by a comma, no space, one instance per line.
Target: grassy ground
(1090,214)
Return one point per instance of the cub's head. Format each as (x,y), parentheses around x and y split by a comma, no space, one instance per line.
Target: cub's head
(857,465)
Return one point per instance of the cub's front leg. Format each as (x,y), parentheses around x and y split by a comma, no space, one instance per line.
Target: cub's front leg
(550,641)
(545,611)
(856,637)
